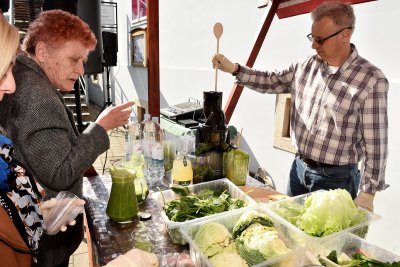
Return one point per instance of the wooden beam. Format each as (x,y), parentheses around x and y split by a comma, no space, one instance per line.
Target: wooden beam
(237,89)
(153,58)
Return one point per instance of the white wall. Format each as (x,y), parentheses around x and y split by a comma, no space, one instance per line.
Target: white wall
(187,44)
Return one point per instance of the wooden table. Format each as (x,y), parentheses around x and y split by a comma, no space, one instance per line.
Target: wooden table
(110,239)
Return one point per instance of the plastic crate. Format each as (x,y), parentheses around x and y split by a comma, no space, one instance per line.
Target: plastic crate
(221,184)
(349,244)
(293,258)
(313,242)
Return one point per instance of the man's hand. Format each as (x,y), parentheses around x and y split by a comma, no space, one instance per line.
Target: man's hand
(135,258)
(114,117)
(221,62)
(47,208)
(365,200)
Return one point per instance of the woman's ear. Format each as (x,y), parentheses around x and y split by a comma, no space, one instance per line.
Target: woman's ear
(41,51)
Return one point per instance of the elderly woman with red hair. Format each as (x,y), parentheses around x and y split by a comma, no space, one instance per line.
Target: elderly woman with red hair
(36,118)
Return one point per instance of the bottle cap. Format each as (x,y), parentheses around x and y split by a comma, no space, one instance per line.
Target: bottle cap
(144,216)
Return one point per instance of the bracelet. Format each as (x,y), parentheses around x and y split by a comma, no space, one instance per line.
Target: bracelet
(237,70)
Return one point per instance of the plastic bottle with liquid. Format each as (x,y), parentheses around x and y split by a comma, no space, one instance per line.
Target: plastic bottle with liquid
(157,153)
(182,172)
(133,145)
(148,138)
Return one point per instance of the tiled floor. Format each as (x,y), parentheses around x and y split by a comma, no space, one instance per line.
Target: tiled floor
(81,257)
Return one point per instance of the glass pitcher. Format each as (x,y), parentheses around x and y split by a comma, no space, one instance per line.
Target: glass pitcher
(137,164)
(122,206)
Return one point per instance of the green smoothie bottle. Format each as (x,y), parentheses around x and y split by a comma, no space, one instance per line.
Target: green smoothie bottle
(122,206)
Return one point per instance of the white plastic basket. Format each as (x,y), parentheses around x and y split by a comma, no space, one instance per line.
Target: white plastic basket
(221,184)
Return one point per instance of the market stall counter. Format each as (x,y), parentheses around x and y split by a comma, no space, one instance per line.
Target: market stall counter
(110,239)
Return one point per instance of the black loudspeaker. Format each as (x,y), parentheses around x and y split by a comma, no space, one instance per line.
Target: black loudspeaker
(89,12)
(66,5)
(110,48)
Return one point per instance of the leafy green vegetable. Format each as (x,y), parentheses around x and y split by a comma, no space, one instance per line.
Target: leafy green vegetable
(358,260)
(205,203)
(251,256)
(228,259)
(202,173)
(249,218)
(324,213)
(180,190)
(212,238)
(258,243)
(203,148)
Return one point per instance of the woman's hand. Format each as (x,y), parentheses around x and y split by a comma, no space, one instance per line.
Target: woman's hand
(48,206)
(113,117)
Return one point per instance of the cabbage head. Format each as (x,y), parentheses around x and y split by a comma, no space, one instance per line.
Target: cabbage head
(212,238)
(259,243)
(248,218)
(327,212)
(228,259)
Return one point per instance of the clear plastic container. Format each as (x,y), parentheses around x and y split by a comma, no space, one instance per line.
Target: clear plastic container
(67,207)
(349,244)
(221,184)
(293,258)
(313,242)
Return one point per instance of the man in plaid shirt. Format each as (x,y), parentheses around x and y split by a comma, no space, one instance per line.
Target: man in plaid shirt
(338,109)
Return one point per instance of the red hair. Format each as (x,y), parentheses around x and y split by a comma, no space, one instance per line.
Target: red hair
(55,27)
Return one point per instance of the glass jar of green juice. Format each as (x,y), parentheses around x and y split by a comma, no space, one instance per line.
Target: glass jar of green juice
(122,205)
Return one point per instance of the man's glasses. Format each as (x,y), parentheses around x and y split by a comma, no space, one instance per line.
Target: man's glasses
(320,40)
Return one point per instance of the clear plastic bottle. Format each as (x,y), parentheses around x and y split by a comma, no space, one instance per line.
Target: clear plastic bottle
(148,138)
(133,135)
(157,153)
(134,159)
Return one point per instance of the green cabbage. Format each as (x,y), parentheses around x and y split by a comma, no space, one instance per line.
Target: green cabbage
(212,238)
(259,243)
(249,218)
(228,259)
(325,212)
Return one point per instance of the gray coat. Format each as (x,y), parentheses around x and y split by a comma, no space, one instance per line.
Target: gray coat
(49,145)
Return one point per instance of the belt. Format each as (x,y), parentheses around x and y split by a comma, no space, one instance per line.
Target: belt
(313,163)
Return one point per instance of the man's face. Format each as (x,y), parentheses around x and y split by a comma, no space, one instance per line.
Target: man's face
(63,65)
(331,48)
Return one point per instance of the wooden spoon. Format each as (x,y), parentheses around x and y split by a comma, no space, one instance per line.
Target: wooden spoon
(218,30)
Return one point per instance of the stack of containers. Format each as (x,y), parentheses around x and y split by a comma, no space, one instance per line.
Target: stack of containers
(297,240)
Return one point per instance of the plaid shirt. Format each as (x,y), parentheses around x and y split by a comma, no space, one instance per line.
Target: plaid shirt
(337,117)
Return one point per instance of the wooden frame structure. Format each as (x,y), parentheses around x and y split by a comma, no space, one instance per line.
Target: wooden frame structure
(154,62)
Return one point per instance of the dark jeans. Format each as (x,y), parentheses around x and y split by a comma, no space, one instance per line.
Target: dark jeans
(305,179)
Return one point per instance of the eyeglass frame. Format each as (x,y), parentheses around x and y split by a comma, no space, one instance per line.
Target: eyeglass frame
(321,41)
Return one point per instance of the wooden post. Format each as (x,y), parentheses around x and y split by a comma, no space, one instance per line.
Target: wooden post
(153,58)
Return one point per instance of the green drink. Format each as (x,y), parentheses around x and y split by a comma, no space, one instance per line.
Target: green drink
(122,205)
